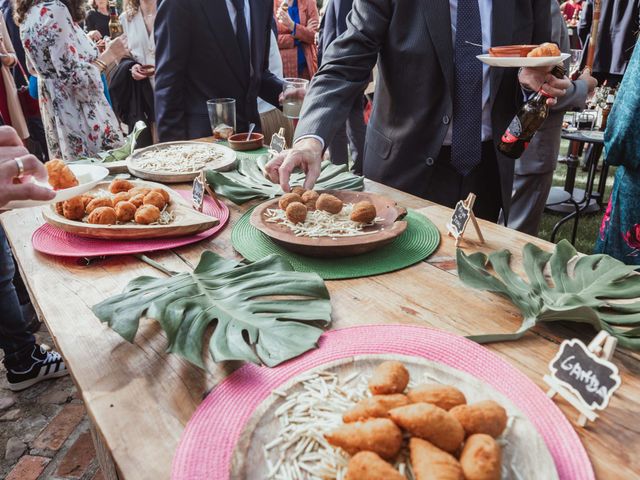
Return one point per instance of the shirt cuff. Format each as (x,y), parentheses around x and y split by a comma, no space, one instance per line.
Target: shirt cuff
(310,136)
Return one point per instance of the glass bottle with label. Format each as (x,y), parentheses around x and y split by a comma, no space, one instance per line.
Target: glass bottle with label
(115,27)
(526,123)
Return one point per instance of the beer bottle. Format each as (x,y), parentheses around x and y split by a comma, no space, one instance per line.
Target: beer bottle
(606,110)
(527,122)
(115,27)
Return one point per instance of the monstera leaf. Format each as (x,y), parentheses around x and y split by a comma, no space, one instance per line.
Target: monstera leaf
(248,182)
(594,289)
(263,312)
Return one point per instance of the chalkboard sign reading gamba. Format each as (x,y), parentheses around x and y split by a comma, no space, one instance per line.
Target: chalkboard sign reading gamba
(590,377)
(459,219)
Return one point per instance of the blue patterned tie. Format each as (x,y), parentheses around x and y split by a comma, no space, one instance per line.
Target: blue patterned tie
(242,34)
(467,95)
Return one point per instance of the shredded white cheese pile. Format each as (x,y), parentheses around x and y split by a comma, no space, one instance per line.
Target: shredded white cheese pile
(323,224)
(178,158)
(300,451)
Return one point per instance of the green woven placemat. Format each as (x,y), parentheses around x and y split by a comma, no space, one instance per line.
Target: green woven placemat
(420,239)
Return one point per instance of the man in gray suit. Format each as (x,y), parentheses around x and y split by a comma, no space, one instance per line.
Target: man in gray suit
(438,111)
(534,170)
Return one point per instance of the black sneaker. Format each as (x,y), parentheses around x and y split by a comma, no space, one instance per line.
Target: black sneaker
(46,364)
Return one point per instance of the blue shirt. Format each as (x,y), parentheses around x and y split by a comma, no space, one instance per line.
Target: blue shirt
(294,13)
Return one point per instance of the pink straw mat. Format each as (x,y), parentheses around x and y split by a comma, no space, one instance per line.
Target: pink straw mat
(210,437)
(54,241)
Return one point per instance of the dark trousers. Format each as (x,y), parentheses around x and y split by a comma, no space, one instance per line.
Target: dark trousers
(352,132)
(16,342)
(446,186)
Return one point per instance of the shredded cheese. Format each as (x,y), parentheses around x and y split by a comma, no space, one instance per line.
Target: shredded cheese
(179,158)
(323,224)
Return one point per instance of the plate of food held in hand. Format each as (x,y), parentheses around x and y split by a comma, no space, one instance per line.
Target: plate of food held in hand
(68,181)
(127,210)
(332,223)
(391,417)
(177,162)
(544,55)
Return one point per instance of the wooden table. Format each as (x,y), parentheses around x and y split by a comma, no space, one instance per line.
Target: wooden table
(139,398)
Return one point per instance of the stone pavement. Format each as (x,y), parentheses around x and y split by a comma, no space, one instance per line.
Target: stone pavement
(44,431)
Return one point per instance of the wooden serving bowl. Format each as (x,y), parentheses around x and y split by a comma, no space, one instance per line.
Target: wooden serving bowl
(511,50)
(385,232)
(187,220)
(240,143)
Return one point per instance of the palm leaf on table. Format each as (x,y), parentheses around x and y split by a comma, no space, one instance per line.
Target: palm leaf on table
(248,182)
(250,323)
(587,289)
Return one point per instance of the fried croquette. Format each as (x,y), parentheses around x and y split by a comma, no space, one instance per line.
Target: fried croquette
(431,423)
(137,200)
(428,462)
(139,190)
(125,211)
(73,209)
(298,190)
(164,193)
(443,396)
(147,214)
(296,212)
(545,50)
(288,198)
(59,209)
(363,212)
(481,458)
(103,216)
(60,175)
(154,198)
(120,197)
(377,406)
(378,435)
(369,466)
(481,417)
(99,202)
(120,185)
(388,377)
(86,199)
(309,198)
(329,203)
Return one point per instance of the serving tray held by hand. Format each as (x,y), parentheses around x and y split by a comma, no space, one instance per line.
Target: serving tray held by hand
(378,235)
(187,221)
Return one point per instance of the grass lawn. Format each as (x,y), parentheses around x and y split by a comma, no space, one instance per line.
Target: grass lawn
(589,225)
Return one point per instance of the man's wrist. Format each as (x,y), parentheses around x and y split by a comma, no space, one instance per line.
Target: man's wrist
(310,142)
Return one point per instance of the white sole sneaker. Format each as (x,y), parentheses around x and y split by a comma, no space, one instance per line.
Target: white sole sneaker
(16,387)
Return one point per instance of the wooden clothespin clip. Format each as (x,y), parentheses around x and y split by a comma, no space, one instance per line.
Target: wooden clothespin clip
(584,375)
(200,188)
(460,218)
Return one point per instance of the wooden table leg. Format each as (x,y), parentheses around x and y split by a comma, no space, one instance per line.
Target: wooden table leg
(105,460)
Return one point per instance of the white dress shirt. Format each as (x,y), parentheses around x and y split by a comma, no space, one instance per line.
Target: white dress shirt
(485,20)
(141,44)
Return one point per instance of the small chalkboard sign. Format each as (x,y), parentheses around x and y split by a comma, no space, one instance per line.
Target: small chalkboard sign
(460,218)
(278,143)
(585,379)
(198,191)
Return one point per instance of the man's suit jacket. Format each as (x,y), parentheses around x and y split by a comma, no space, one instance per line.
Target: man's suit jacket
(198,58)
(335,20)
(619,25)
(412,45)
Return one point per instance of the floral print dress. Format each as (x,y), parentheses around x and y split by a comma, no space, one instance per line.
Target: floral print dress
(620,230)
(78,120)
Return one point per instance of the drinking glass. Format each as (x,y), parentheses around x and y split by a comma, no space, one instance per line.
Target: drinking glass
(222,116)
(293,93)
(576,58)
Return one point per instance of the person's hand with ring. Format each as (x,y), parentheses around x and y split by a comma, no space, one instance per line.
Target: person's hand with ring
(16,168)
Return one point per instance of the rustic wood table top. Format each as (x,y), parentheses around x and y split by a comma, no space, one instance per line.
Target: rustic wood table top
(140,398)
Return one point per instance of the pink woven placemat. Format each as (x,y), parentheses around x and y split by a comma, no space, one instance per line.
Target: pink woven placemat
(54,241)
(208,441)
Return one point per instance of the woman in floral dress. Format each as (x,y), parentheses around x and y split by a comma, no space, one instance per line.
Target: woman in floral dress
(77,117)
(620,230)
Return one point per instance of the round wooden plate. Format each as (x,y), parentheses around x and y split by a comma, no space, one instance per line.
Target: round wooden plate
(187,220)
(384,232)
(223,164)
(524,452)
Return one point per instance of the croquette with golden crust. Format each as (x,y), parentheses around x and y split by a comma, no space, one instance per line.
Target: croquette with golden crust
(363,212)
(431,423)
(154,198)
(443,396)
(428,462)
(147,214)
(377,406)
(369,466)
(125,211)
(329,203)
(120,185)
(481,458)
(296,212)
(378,435)
(99,202)
(60,175)
(487,417)
(103,216)
(310,198)
(288,198)
(389,377)
(73,209)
